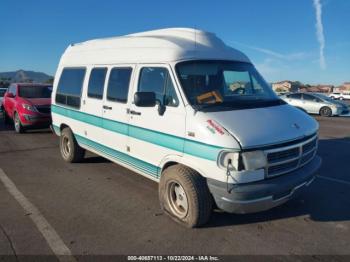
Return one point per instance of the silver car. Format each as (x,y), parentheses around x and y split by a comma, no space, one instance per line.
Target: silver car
(314,103)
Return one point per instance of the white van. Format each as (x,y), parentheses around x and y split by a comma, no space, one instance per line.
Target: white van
(180,107)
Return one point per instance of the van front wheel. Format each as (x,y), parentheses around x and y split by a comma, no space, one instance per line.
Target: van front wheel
(70,150)
(184,195)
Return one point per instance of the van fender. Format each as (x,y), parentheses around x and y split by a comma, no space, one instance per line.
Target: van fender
(177,159)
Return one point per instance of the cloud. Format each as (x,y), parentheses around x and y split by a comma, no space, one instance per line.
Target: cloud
(288,57)
(319,32)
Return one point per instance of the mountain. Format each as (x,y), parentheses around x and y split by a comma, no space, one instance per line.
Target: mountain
(24,76)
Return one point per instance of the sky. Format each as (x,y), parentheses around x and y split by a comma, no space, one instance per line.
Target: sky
(304,40)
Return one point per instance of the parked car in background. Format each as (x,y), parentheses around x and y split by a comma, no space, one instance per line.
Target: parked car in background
(28,105)
(2,93)
(315,103)
(340,96)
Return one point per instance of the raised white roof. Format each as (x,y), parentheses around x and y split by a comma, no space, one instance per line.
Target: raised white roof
(164,45)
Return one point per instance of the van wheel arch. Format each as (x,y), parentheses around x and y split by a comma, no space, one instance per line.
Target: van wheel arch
(63,126)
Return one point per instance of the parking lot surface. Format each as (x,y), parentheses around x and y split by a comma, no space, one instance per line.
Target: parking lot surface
(99,208)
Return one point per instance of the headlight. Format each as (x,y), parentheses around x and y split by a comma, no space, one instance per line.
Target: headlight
(226,158)
(29,107)
(254,160)
(242,161)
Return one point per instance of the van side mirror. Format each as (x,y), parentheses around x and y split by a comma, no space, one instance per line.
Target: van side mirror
(145,99)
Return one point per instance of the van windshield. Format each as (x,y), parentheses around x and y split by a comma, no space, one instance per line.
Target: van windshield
(224,85)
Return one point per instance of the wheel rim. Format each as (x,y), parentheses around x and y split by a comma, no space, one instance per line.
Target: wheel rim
(177,199)
(326,112)
(17,123)
(65,145)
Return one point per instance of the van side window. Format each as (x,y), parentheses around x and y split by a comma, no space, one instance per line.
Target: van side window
(118,84)
(96,82)
(69,87)
(158,80)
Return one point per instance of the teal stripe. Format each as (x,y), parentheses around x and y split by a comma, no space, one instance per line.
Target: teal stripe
(202,150)
(119,156)
(176,143)
(154,137)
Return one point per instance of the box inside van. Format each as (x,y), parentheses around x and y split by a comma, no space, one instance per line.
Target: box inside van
(182,108)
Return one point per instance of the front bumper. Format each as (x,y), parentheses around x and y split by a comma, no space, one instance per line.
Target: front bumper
(265,194)
(35,120)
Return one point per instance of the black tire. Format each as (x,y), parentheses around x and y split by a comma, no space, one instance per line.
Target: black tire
(17,124)
(199,200)
(326,111)
(70,150)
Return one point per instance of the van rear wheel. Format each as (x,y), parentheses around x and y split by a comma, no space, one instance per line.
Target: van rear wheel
(70,150)
(184,195)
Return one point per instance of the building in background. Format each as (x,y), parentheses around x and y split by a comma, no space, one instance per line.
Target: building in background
(287,86)
(344,88)
(296,86)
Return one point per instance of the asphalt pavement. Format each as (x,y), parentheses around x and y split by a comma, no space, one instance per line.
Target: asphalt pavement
(99,208)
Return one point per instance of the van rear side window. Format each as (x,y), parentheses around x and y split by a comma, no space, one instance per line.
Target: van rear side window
(69,87)
(118,84)
(96,82)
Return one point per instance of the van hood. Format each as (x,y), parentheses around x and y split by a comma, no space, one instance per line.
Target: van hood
(266,126)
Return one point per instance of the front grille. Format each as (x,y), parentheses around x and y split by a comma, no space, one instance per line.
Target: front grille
(44,109)
(283,167)
(282,155)
(309,146)
(286,159)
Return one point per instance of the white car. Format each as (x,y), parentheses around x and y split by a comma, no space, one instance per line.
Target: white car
(180,107)
(316,103)
(340,96)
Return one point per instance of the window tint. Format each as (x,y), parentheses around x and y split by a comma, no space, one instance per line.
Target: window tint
(69,86)
(96,82)
(309,97)
(118,84)
(294,96)
(158,80)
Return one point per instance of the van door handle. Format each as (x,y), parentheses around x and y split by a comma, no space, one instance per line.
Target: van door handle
(107,107)
(132,112)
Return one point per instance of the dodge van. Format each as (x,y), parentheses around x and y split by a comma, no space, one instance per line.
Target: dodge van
(182,108)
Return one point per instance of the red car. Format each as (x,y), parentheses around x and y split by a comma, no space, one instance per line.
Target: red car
(28,105)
